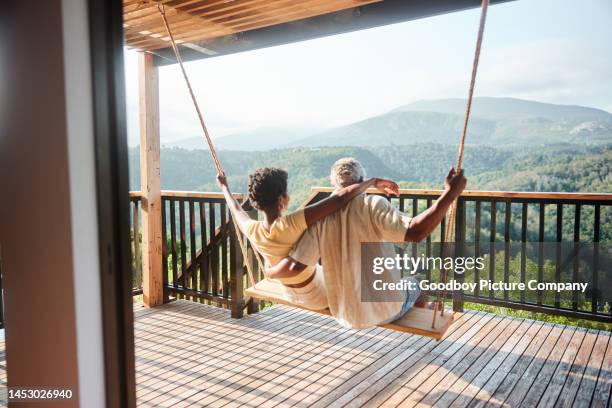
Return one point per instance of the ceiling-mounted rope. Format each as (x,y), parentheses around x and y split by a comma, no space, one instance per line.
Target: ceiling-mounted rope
(449,234)
(211,148)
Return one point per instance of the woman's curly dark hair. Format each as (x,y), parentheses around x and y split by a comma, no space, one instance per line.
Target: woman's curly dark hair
(266,185)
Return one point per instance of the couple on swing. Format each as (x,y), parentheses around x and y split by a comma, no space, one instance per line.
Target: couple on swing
(332,230)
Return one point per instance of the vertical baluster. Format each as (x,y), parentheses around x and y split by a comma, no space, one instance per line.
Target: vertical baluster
(193,270)
(507,221)
(415,211)
(576,254)
(428,247)
(164,251)
(459,249)
(236,285)
(477,246)
(523,247)
(541,249)
(183,237)
(224,238)
(137,258)
(493,233)
(173,240)
(402,207)
(214,250)
(558,252)
(204,269)
(442,240)
(595,278)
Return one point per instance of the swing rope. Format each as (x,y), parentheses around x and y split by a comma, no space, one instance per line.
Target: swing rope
(449,234)
(211,148)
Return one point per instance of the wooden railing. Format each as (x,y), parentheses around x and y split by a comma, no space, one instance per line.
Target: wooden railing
(489,222)
(201,257)
(201,260)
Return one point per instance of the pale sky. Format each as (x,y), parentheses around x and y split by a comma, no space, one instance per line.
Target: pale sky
(557,51)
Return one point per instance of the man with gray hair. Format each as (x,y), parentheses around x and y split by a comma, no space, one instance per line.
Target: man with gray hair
(346,171)
(337,241)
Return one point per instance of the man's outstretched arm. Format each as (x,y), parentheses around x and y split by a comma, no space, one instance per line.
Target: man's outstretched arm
(423,224)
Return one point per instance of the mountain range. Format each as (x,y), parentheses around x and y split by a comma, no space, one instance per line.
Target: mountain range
(494,121)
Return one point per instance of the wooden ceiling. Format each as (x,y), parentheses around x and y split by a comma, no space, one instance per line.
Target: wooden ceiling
(195,21)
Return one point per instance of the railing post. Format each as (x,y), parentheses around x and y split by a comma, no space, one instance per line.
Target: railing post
(152,286)
(236,277)
(253,305)
(459,250)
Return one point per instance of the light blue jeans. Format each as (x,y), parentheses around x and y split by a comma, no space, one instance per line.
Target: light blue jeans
(411,298)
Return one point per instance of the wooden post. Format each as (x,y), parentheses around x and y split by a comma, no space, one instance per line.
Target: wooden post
(253,306)
(152,275)
(236,276)
(459,248)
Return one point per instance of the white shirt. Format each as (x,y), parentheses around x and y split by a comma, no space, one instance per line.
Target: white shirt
(337,239)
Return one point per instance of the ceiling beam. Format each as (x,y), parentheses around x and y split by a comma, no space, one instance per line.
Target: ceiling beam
(358,18)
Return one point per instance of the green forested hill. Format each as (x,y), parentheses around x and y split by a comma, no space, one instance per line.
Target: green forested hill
(568,168)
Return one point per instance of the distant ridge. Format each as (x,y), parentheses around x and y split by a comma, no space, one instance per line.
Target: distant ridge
(495,122)
(264,138)
(497,108)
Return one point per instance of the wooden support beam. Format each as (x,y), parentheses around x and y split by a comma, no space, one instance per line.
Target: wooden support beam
(152,275)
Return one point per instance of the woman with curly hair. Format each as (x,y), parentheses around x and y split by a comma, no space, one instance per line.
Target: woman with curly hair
(278,232)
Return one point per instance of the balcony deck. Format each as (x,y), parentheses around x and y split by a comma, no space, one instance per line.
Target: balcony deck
(188,353)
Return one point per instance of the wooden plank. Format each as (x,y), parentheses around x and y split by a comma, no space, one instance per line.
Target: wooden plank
(520,370)
(297,377)
(154,361)
(603,388)
(201,385)
(196,365)
(553,390)
(225,340)
(469,373)
(197,24)
(576,372)
(593,369)
(538,387)
(392,355)
(493,194)
(196,194)
(337,368)
(452,370)
(487,371)
(436,364)
(291,378)
(489,388)
(152,275)
(384,390)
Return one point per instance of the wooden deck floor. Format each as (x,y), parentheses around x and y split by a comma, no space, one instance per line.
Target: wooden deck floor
(188,354)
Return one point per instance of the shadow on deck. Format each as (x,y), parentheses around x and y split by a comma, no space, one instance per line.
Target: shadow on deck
(189,354)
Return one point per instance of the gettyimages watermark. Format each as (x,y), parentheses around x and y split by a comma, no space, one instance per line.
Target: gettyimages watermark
(564,273)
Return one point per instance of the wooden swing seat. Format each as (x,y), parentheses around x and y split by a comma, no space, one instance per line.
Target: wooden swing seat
(416,321)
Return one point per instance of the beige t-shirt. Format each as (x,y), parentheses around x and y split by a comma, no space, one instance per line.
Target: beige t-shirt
(336,240)
(275,243)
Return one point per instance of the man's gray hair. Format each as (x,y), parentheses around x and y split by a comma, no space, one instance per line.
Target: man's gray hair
(346,171)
